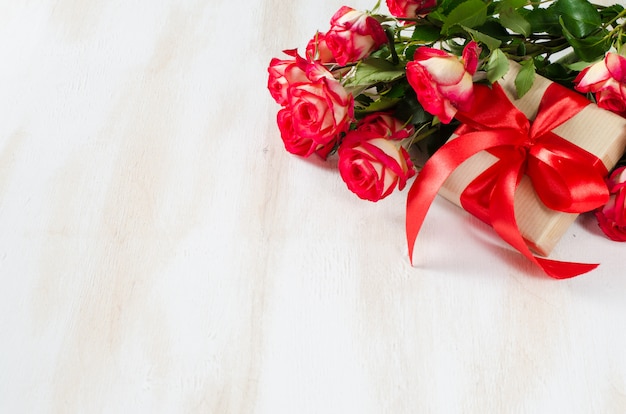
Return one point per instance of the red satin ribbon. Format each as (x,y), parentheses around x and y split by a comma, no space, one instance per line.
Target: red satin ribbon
(565,177)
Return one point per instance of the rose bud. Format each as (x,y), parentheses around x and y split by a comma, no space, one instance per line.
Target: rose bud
(613,100)
(410,8)
(607,79)
(372,166)
(442,81)
(612,217)
(385,125)
(317,49)
(353,35)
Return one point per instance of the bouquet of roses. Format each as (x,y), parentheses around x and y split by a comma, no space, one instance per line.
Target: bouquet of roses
(382,92)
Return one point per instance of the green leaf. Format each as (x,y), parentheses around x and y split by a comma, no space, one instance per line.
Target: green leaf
(497,66)
(578,66)
(374,70)
(612,12)
(543,20)
(409,52)
(409,108)
(514,21)
(381,104)
(471,13)
(515,4)
(436,17)
(580,17)
(362,100)
(490,42)
(446,6)
(425,33)
(454,47)
(397,90)
(525,78)
(493,28)
(590,48)
(558,72)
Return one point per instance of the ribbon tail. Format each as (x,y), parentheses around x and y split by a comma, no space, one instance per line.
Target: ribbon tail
(422,194)
(504,223)
(435,172)
(564,270)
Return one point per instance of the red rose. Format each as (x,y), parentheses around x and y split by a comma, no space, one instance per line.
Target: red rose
(613,100)
(296,144)
(353,35)
(385,125)
(442,82)
(607,79)
(372,166)
(612,217)
(410,8)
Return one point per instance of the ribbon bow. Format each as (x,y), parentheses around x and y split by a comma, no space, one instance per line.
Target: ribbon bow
(565,177)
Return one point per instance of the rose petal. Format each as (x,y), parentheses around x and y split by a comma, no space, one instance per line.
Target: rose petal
(444,71)
(592,78)
(616,66)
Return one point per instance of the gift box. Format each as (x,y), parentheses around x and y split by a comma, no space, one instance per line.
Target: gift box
(593,129)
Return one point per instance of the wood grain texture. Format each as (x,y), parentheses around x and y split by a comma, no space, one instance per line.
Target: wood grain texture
(160,252)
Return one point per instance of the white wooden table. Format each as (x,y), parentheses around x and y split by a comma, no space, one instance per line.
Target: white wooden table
(160,252)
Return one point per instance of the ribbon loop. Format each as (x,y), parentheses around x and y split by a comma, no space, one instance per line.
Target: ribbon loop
(565,182)
(565,177)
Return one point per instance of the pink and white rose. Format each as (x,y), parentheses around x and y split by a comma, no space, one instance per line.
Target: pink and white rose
(321,109)
(373,166)
(296,144)
(283,73)
(612,216)
(410,8)
(442,81)
(353,35)
(316,107)
(317,49)
(607,79)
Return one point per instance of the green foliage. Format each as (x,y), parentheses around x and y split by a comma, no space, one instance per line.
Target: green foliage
(446,6)
(589,48)
(518,30)
(471,13)
(381,104)
(511,19)
(543,20)
(497,66)
(578,66)
(611,12)
(425,33)
(493,28)
(374,70)
(579,17)
(555,38)
(525,78)
(515,4)
(491,42)
(410,109)
(559,73)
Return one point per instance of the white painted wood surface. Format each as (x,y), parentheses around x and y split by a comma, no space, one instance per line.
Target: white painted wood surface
(160,252)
